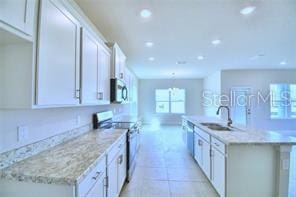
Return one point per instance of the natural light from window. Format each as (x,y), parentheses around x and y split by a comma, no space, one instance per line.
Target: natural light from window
(283,101)
(170,101)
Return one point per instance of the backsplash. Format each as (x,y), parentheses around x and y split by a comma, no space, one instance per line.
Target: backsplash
(16,155)
(45,123)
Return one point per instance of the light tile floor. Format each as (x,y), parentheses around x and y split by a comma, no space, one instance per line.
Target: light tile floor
(165,168)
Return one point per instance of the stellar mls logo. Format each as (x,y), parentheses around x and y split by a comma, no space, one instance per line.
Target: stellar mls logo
(211,99)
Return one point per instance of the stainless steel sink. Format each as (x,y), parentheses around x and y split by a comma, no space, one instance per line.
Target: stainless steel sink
(216,127)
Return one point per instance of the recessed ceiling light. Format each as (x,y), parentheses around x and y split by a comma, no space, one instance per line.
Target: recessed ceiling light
(247,10)
(200,57)
(151,59)
(149,44)
(216,42)
(145,13)
(283,63)
(181,62)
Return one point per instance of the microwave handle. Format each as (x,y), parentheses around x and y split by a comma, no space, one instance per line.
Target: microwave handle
(124,93)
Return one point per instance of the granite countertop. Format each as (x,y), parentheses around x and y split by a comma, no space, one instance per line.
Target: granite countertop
(67,163)
(242,135)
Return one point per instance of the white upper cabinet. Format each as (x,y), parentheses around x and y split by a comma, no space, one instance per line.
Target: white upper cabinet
(89,69)
(104,75)
(58,56)
(18,14)
(95,71)
(118,61)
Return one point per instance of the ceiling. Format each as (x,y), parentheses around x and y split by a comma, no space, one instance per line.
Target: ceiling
(181,30)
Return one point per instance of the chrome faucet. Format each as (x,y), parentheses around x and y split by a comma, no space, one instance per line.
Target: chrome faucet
(228,114)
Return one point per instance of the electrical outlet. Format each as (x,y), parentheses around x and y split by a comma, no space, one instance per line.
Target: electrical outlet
(78,120)
(22,133)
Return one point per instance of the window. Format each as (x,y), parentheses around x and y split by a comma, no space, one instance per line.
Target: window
(283,101)
(170,101)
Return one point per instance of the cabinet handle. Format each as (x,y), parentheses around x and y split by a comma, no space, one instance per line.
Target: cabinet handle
(25,13)
(120,145)
(211,153)
(199,142)
(97,175)
(120,159)
(106,182)
(216,144)
(100,95)
(77,94)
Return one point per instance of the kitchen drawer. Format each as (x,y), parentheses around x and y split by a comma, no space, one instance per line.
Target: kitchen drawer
(115,149)
(89,181)
(202,133)
(218,145)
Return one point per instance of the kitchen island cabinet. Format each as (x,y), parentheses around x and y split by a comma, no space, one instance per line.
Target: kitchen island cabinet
(236,161)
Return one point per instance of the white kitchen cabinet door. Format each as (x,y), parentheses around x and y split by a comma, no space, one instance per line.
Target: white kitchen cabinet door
(121,161)
(58,56)
(18,14)
(118,61)
(117,65)
(99,189)
(202,154)
(89,69)
(104,75)
(218,171)
(112,178)
(206,158)
(198,149)
(123,68)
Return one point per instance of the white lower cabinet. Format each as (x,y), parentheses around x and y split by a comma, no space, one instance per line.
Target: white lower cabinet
(206,158)
(210,156)
(116,170)
(112,178)
(121,168)
(99,189)
(218,171)
(93,183)
(202,154)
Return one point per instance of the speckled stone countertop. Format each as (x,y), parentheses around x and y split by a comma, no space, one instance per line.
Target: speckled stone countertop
(67,163)
(241,135)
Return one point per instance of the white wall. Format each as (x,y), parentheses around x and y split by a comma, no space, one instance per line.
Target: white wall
(146,101)
(44,123)
(212,86)
(259,80)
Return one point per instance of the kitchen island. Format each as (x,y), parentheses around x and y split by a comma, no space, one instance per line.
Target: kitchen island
(236,159)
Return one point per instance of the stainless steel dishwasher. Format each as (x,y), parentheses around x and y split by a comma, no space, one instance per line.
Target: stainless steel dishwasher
(190,137)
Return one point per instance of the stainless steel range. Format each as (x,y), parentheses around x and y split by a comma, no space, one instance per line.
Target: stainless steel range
(105,120)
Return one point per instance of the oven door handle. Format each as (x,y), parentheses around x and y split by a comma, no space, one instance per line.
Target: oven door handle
(124,93)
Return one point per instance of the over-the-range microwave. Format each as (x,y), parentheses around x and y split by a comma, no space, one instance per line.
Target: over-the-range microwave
(119,92)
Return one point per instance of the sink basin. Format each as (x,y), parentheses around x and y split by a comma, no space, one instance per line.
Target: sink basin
(216,127)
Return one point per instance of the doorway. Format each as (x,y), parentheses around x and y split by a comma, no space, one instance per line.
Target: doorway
(240,105)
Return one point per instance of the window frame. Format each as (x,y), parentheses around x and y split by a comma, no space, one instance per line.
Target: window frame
(170,101)
(284,104)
